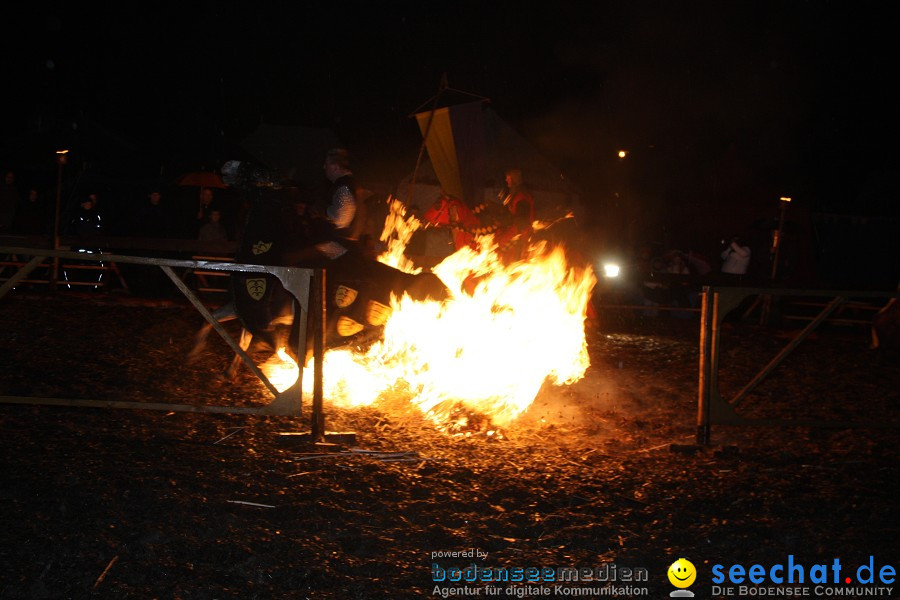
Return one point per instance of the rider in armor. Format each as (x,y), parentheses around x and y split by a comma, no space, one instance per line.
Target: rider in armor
(343,212)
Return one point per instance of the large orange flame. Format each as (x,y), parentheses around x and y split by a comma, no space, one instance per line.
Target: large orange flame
(506,330)
(398,230)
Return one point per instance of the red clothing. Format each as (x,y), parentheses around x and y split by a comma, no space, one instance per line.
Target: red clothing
(521,206)
(454,213)
(513,240)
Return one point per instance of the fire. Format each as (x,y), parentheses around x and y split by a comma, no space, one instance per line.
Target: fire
(506,330)
(398,230)
(281,370)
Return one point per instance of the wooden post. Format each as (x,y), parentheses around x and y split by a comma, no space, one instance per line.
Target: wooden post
(317,424)
(703,399)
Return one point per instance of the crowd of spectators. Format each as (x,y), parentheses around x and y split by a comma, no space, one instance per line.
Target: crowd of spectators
(155,211)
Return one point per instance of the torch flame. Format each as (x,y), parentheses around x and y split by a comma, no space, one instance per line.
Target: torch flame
(505,331)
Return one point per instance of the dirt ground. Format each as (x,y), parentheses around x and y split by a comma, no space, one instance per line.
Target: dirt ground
(103,503)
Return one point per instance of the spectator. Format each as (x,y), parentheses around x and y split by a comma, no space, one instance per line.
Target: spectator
(213,230)
(33,215)
(681,291)
(736,260)
(208,204)
(85,221)
(675,264)
(103,212)
(153,220)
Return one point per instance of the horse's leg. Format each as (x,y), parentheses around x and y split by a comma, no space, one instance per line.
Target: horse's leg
(246,338)
(223,314)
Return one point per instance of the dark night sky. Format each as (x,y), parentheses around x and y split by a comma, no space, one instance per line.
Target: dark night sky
(795,97)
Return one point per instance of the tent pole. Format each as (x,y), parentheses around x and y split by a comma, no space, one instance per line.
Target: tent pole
(412,184)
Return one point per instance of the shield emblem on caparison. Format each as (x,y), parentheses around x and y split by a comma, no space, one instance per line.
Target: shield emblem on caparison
(344,296)
(256,288)
(261,247)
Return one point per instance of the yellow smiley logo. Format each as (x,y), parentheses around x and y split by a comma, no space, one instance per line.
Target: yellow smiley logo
(682,573)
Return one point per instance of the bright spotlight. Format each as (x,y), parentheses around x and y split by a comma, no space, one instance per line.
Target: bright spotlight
(611,270)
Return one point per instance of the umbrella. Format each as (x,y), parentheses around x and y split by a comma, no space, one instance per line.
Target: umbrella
(201,179)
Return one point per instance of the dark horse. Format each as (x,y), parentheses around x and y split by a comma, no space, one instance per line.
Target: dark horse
(280,232)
